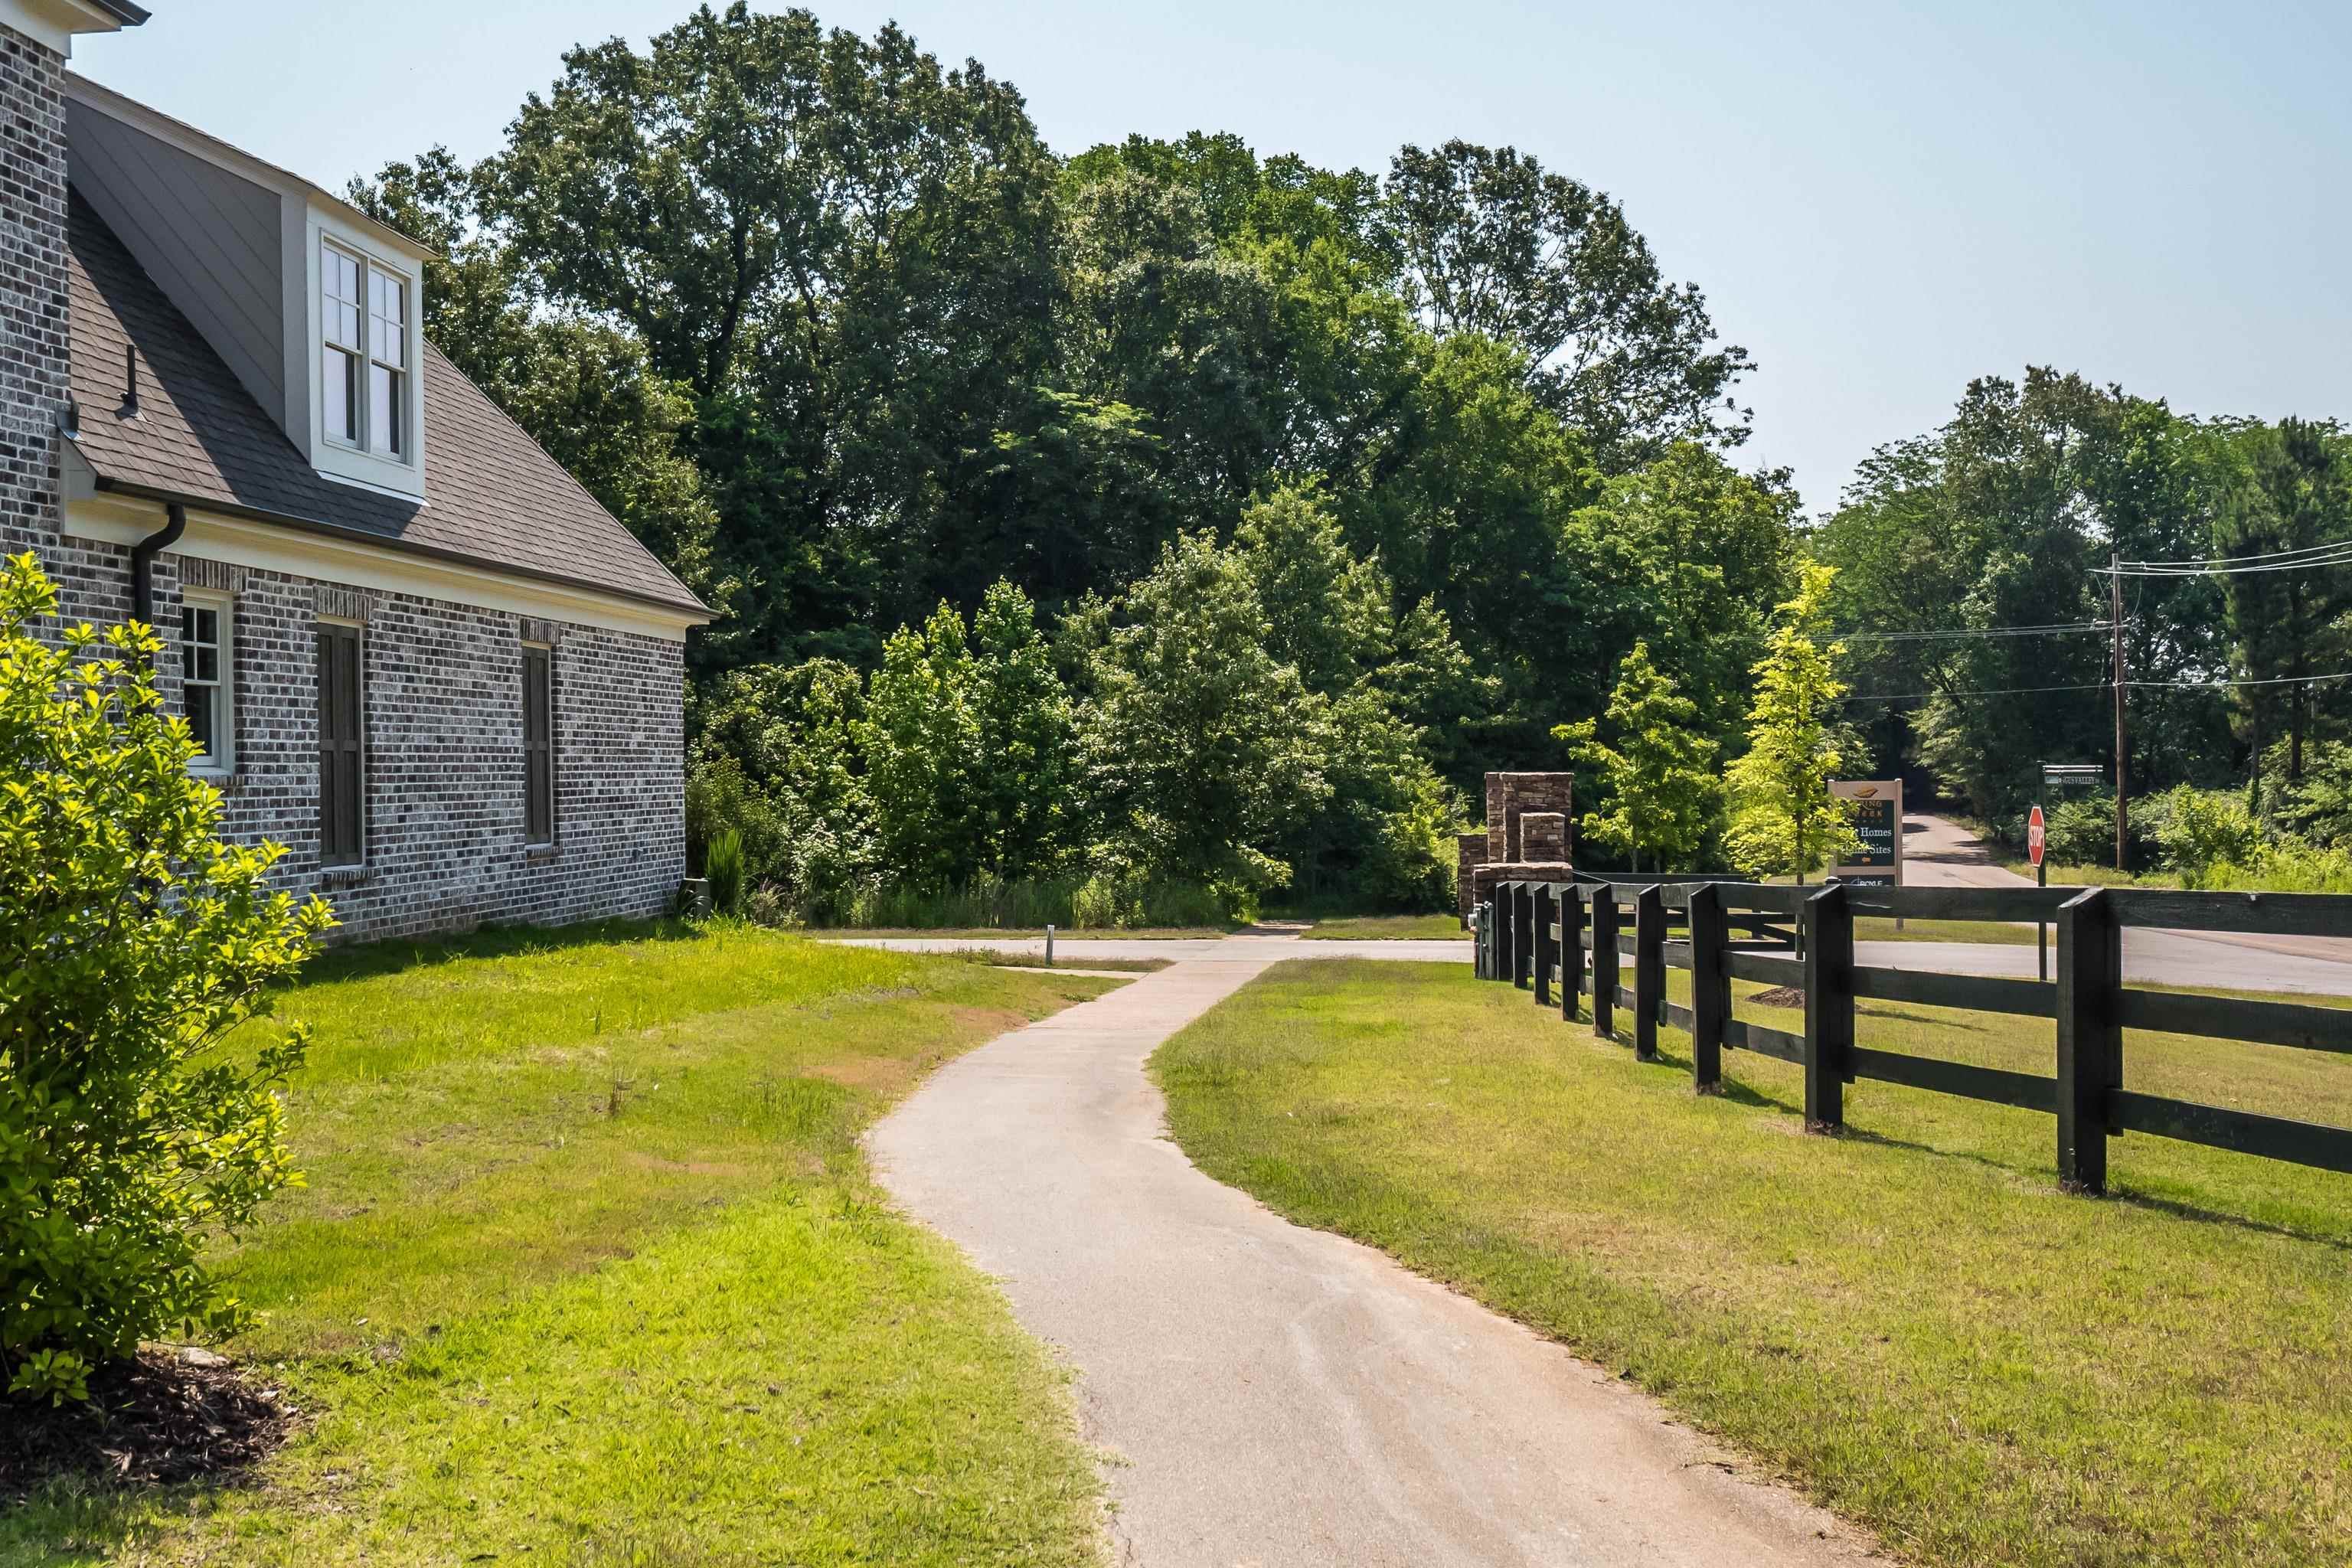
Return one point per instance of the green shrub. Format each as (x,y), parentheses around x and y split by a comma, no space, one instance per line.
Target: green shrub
(719,796)
(2203,829)
(131,939)
(2081,832)
(2289,865)
(722,864)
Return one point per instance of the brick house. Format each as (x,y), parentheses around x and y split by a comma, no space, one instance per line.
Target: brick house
(414,650)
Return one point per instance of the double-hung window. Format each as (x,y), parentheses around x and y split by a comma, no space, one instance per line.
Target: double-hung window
(206,671)
(363,360)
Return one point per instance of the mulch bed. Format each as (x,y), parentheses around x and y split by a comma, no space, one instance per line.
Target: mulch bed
(155,1420)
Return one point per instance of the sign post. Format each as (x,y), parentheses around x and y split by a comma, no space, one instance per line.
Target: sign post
(2037,842)
(1878,822)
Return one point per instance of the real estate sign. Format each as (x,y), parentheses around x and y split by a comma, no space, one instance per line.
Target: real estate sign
(1878,821)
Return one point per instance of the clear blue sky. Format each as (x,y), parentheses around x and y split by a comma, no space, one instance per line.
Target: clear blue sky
(1881,199)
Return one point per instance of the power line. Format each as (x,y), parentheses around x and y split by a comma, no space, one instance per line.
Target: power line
(2206,563)
(2056,629)
(2100,686)
(2320,555)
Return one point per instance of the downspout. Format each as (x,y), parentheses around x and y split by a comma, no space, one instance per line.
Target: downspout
(143,561)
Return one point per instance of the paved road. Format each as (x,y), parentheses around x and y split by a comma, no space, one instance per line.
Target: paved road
(1276,1395)
(1939,853)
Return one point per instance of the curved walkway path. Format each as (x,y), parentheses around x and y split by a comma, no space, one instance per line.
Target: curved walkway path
(1276,1395)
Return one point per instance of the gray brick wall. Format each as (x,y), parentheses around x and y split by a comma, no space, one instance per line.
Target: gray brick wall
(443,713)
(35,372)
(444,701)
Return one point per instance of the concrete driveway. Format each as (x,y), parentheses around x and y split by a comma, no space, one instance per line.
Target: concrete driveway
(1275,1395)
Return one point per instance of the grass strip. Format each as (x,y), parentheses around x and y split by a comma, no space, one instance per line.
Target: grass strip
(1389,928)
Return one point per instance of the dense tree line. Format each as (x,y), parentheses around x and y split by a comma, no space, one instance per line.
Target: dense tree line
(886,380)
(828,325)
(2008,517)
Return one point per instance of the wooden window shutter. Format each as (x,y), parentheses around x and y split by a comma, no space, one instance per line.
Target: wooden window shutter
(538,746)
(340,754)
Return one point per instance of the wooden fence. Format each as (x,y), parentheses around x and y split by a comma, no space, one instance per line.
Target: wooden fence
(1625,935)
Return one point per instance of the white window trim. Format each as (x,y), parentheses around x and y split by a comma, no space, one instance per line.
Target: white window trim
(222,763)
(364,407)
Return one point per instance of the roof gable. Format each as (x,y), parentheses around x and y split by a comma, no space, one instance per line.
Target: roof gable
(498,499)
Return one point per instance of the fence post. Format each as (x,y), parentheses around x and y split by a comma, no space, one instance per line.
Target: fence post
(1572,951)
(1545,908)
(1710,986)
(1826,923)
(2089,1044)
(1649,970)
(1498,962)
(1604,959)
(1523,909)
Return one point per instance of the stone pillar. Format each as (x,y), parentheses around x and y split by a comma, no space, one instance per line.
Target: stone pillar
(1470,850)
(1543,836)
(1509,797)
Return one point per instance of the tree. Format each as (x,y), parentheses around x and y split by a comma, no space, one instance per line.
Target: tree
(1783,817)
(131,940)
(1491,243)
(1026,796)
(921,741)
(1381,831)
(775,757)
(1659,779)
(2292,490)
(1162,319)
(845,253)
(2002,519)
(1203,746)
(1690,555)
(1468,505)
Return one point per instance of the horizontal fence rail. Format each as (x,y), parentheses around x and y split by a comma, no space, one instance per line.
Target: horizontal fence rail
(1611,939)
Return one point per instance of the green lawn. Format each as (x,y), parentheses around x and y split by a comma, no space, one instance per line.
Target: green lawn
(1873,928)
(590,1270)
(1911,1318)
(1388,928)
(1007,933)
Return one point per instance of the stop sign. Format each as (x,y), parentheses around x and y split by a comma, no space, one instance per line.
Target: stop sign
(2036,836)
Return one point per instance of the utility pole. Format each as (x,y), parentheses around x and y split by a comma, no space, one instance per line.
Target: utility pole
(2115,614)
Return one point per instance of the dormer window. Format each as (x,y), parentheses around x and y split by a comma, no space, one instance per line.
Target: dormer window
(387,363)
(363,363)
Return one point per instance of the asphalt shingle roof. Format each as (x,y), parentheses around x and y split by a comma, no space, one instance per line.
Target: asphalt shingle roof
(495,497)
